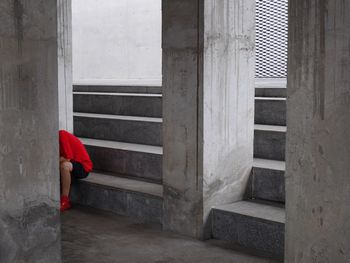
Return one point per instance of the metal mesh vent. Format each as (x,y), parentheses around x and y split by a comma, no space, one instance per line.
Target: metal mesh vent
(271,38)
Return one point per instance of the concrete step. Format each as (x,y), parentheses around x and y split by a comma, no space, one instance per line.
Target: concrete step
(129,104)
(134,160)
(271,87)
(267,181)
(255,226)
(140,130)
(270,142)
(123,196)
(118,89)
(271,92)
(270,111)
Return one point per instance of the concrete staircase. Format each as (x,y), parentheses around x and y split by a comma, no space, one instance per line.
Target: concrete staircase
(121,129)
(257,223)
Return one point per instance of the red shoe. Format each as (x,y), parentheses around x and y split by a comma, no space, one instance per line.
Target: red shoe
(65,203)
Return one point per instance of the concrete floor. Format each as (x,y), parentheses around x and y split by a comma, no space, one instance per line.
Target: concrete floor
(90,236)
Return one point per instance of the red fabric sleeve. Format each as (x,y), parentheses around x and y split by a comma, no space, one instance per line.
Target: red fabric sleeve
(65,147)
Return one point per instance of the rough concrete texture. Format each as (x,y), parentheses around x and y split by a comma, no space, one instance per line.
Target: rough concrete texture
(149,105)
(145,207)
(270,142)
(146,131)
(270,111)
(267,184)
(121,89)
(29,180)
(130,163)
(257,226)
(318,142)
(65,78)
(271,92)
(95,237)
(208,107)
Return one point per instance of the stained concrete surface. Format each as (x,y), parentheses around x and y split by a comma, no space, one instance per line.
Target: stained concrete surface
(318,142)
(208,113)
(92,236)
(29,174)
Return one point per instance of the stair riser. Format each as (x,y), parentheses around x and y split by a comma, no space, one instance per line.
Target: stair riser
(269,145)
(271,92)
(140,132)
(118,89)
(267,185)
(118,105)
(137,164)
(145,208)
(249,232)
(270,112)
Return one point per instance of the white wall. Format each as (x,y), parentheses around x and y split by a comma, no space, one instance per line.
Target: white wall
(117,42)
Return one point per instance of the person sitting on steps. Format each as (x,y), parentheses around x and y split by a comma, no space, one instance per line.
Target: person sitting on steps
(75,163)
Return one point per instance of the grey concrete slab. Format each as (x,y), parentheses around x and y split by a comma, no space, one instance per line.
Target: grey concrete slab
(148,105)
(133,160)
(118,89)
(125,183)
(29,172)
(269,164)
(318,141)
(267,181)
(271,92)
(253,225)
(118,196)
(147,131)
(269,142)
(268,184)
(271,83)
(257,210)
(99,237)
(270,111)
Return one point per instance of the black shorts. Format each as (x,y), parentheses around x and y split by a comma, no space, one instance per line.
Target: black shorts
(78,171)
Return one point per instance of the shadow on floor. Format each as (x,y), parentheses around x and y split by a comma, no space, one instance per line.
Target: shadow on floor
(90,236)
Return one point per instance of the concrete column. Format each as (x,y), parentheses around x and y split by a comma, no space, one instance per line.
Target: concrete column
(208,105)
(318,142)
(29,176)
(65,79)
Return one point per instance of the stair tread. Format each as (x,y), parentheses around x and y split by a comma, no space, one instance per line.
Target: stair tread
(276,128)
(257,210)
(125,184)
(269,164)
(271,98)
(123,146)
(117,117)
(270,83)
(117,94)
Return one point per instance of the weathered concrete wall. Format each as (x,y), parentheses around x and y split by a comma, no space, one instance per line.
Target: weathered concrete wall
(117,42)
(29,181)
(228,99)
(65,78)
(208,83)
(318,142)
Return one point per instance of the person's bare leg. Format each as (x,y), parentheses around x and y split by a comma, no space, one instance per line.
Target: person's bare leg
(66,168)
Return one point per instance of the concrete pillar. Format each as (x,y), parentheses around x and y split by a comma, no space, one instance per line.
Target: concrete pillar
(208,105)
(318,142)
(65,79)
(29,178)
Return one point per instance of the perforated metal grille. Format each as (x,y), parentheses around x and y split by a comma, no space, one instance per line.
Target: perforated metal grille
(271,38)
